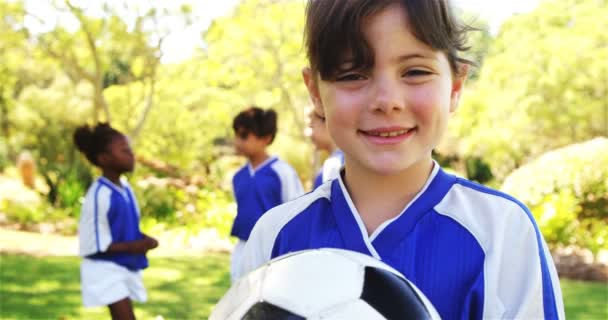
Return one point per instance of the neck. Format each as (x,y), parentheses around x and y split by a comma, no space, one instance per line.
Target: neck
(258,159)
(379,198)
(112,176)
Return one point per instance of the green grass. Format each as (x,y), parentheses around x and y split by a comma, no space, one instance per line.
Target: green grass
(585,300)
(178,288)
(49,288)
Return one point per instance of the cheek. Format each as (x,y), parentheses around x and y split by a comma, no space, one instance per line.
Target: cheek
(239,144)
(426,103)
(342,109)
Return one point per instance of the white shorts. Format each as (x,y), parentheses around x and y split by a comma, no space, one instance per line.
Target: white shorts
(104,283)
(236,259)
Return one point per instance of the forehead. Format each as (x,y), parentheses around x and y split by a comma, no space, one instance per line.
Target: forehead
(241,129)
(389,32)
(119,140)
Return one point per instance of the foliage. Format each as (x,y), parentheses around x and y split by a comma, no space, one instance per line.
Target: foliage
(47,118)
(256,55)
(25,206)
(479,42)
(122,47)
(543,85)
(570,207)
(174,204)
(261,43)
(19,203)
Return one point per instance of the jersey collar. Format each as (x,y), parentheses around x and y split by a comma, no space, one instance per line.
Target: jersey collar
(391,232)
(262,165)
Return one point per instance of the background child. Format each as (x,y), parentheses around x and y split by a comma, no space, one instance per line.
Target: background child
(322,141)
(386,75)
(113,247)
(264,182)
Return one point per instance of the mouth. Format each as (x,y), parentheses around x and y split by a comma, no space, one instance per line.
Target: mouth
(388,135)
(387,132)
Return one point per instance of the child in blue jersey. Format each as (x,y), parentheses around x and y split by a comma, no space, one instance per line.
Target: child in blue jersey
(264,182)
(111,244)
(386,75)
(322,141)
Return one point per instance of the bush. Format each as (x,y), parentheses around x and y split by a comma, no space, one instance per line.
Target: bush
(4,158)
(27,207)
(174,204)
(567,191)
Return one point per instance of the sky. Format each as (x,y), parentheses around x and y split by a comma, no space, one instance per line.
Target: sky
(496,11)
(182,44)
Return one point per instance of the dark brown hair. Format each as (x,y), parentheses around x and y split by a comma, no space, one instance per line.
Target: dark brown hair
(334,28)
(260,122)
(92,141)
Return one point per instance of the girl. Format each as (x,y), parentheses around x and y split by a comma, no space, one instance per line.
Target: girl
(264,182)
(386,75)
(111,244)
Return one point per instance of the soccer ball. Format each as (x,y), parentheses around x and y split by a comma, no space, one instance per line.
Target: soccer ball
(324,284)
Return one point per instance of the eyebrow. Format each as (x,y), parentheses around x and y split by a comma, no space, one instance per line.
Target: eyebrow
(416,55)
(401,58)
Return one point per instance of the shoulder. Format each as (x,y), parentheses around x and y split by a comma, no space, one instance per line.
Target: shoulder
(485,212)
(276,218)
(465,191)
(242,170)
(125,182)
(282,167)
(260,244)
(99,190)
(285,173)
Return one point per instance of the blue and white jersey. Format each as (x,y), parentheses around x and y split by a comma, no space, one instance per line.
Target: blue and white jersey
(109,215)
(256,191)
(330,169)
(476,253)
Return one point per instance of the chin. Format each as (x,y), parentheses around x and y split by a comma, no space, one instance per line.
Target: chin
(388,165)
(388,170)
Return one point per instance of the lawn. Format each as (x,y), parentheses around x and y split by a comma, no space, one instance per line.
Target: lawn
(178,288)
(49,288)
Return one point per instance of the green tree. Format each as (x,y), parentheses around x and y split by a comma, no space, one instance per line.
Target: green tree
(544,84)
(257,54)
(16,73)
(116,49)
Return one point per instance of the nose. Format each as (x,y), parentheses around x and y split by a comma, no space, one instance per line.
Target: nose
(388,95)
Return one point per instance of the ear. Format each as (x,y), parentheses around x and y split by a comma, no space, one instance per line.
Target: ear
(310,80)
(458,86)
(267,139)
(102,158)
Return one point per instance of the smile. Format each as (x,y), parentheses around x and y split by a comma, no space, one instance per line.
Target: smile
(387,133)
(388,136)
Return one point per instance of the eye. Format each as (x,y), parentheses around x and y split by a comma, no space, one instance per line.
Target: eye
(417,73)
(350,77)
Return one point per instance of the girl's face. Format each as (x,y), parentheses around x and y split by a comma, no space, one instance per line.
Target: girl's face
(118,156)
(248,144)
(390,117)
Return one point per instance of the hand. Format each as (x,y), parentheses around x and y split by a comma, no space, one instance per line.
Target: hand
(152,243)
(143,245)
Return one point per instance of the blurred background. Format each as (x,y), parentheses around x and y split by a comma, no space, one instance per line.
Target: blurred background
(533,122)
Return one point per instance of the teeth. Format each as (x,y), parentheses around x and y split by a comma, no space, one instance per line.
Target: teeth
(388,134)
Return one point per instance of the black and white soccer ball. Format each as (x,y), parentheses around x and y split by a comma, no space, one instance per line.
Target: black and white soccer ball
(324,284)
